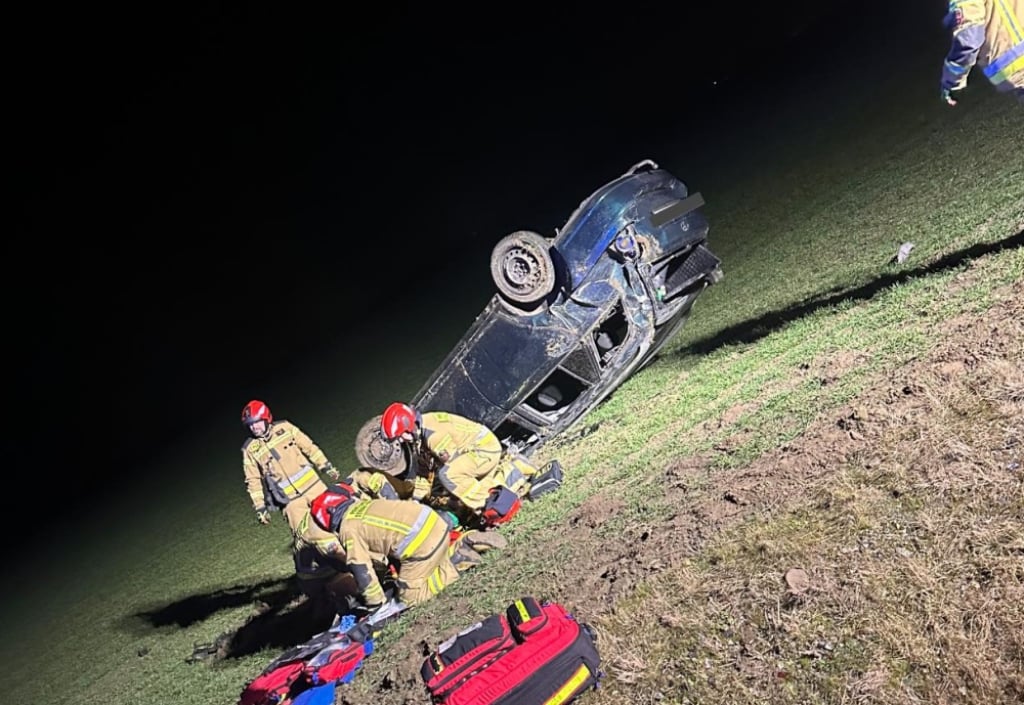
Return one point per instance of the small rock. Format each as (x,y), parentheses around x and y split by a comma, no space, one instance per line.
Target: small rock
(797,580)
(904,252)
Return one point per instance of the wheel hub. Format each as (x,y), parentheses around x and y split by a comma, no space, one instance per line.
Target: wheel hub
(521,268)
(381,450)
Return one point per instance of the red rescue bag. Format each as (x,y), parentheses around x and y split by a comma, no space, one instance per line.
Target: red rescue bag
(274,686)
(534,653)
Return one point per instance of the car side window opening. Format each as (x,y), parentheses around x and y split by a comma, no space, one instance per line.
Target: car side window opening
(610,334)
(557,392)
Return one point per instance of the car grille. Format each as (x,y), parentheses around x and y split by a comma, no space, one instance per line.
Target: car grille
(682,271)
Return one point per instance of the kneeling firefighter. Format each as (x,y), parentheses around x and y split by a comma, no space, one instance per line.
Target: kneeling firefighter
(408,535)
(467,460)
(321,569)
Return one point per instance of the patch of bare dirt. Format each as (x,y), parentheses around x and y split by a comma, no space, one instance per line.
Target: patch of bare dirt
(835,366)
(604,571)
(595,511)
(735,413)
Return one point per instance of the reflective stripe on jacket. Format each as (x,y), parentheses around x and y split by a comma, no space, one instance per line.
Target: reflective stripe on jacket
(405,530)
(286,461)
(448,434)
(989,34)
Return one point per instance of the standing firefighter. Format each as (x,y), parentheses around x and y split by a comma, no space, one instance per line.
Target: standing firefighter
(989,34)
(464,457)
(280,464)
(406,534)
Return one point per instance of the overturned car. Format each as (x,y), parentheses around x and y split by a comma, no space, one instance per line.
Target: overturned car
(574,315)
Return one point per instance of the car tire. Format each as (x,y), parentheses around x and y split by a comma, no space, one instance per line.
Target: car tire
(522,268)
(375,451)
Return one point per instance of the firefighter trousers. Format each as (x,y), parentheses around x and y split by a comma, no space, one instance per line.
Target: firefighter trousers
(420,579)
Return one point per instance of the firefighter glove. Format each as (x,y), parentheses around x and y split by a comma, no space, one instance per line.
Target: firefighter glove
(951,90)
(331,472)
(263,515)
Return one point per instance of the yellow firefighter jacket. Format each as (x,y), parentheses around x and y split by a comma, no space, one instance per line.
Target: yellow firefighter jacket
(283,467)
(446,434)
(445,437)
(379,530)
(378,484)
(308,535)
(989,34)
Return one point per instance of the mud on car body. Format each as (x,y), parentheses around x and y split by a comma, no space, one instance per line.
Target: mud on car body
(574,315)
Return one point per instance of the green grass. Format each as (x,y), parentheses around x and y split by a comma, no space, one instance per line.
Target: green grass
(809,316)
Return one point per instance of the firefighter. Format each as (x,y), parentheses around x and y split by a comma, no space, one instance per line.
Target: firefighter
(407,535)
(319,556)
(280,465)
(322,571)
(989,34)
(464,457)
(378,484)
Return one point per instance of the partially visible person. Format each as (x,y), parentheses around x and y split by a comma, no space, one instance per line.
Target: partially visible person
(988,34)
(322,578)
(280,464)
(464,457)
(407,535)
(380,485)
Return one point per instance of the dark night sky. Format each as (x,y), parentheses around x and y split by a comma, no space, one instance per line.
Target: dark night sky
(185,173)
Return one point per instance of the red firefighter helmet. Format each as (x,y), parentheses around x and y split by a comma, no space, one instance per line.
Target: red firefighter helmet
(328,507)
(398,418)
(256,411)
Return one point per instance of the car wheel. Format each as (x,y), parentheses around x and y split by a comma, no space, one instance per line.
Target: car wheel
(375,451)
(522,267)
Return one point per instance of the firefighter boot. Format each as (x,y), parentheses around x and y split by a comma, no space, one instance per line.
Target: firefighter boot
(464,558)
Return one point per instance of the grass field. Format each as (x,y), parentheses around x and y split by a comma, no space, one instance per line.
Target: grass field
(816,495)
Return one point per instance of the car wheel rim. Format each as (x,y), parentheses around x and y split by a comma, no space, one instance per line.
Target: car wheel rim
(522,269)
(381,450)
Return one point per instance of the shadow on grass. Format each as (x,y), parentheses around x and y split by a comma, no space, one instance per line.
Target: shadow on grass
(753,330)
(195,608)
(280,618)
(276,628)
